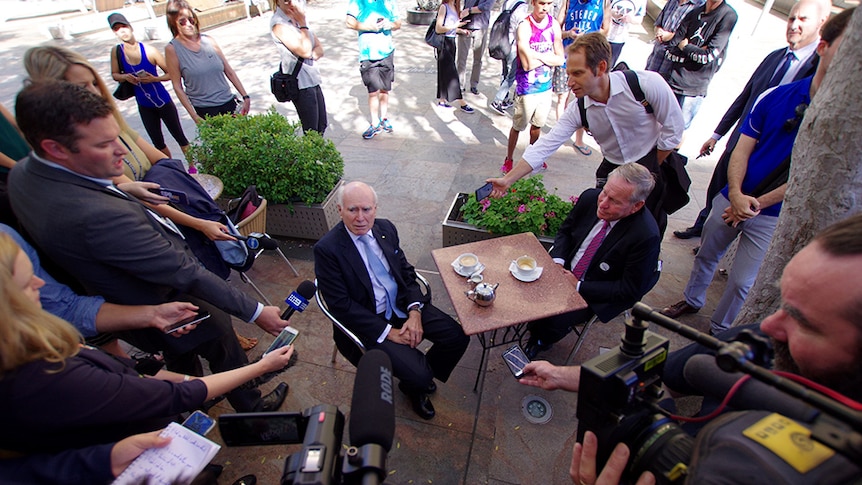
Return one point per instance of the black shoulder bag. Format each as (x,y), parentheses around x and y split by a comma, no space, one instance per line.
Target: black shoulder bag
(285,87)
(126,89)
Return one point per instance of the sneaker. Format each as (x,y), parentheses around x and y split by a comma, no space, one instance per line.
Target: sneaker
(474,90)
(443,104)
(371,131)
(508,104)
(467,109)
(497,107)
(507,165)
(386,125)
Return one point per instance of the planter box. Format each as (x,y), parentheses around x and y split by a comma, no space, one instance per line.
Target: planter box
(420,17)
(456,232)
(106,5)
(306,222)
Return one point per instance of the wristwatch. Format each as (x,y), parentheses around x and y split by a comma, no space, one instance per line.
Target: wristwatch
(415,306)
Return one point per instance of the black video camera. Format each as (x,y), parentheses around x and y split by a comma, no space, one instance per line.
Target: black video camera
(620,390)
(320,430)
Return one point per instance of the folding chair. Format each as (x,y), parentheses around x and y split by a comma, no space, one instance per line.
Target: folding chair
(255,225)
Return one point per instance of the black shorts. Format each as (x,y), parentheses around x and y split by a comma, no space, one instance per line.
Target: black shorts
(378,75)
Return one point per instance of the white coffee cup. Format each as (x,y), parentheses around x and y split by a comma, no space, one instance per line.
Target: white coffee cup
(468,262)
(525,265)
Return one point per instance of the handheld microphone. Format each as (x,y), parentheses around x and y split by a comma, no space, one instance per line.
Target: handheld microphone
(298,300)
(702,373)
(372,409)
(255,242)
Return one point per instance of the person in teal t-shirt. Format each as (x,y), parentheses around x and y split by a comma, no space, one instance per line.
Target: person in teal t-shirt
(13,147)
(375,20)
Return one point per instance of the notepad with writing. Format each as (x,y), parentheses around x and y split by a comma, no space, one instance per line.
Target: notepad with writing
(178,462)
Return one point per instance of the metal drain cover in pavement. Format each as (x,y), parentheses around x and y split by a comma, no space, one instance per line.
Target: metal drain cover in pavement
(536,409)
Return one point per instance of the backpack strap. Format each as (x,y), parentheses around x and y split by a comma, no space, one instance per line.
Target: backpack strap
(635,86)
(583,110)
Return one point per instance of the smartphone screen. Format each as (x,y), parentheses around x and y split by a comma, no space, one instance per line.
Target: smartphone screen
(199,422)
(484,192)
(250,429)
(200,316)
(285,338)
(516,360)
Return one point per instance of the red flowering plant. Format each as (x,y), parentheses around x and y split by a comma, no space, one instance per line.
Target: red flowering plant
(527,207)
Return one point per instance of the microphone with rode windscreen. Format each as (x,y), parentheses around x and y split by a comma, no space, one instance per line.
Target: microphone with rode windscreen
(372,420)
(298,300)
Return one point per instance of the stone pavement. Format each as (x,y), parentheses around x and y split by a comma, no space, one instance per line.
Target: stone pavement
(432,155)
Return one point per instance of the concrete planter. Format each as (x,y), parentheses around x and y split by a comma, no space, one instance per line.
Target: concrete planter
(457,232)
(420,17)
(305,222)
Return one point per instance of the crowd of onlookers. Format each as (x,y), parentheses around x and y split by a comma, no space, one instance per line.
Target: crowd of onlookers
(89,255)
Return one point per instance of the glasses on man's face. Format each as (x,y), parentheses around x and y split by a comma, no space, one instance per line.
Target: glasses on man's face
(186,20)
(798,113)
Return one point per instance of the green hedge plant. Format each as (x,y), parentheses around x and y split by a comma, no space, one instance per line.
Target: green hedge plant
(270,152)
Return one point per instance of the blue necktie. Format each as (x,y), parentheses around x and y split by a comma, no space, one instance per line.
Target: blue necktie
(782,70)
(382,276)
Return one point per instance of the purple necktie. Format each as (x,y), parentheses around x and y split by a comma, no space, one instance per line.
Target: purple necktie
(782,70)
(594,245)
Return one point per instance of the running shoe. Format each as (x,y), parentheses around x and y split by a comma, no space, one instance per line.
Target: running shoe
(371,131)
(467,109)
(497,107)
(385,125)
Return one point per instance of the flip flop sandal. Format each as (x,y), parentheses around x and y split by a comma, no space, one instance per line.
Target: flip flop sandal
(585,150)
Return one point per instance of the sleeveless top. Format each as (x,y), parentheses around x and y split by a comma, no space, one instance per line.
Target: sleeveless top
(537,80)
(451,19)
(11,143)
(148,95)
(203,74)
(309,75)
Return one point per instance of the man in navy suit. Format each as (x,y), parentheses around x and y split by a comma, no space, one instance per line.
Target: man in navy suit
(803,34)
(611,245)
(384,305)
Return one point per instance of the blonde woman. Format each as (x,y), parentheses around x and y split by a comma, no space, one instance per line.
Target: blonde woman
(199,70)
(59,394)
(295,41)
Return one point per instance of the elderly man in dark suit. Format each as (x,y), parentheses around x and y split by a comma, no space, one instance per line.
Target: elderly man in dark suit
(369,285)
(796,61)
(611,246)
(113,244)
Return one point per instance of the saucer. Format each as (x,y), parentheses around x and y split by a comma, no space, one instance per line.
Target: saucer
(463,272)
(526,279)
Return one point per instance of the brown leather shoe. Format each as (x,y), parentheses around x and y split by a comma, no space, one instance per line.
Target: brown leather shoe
(678,309)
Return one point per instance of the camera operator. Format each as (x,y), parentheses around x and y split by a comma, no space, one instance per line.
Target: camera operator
(816,333)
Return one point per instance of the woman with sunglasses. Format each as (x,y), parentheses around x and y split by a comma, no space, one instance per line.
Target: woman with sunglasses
(199,70)
(297,43)
(59,394)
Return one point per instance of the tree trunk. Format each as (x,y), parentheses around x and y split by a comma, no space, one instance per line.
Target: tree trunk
(825,183)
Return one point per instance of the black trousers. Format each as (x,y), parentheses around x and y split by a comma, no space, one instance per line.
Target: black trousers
(416,370)
(311,109)
(214,340)
(552,329)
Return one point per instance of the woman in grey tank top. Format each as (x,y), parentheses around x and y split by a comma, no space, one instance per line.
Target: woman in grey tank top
(198,68)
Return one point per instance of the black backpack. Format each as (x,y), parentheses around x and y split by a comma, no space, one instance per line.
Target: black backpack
(498,41)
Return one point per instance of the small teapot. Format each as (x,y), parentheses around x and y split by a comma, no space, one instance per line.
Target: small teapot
(483,294)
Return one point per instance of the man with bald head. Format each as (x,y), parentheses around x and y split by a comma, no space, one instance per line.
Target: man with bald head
(803,34)
(370,286)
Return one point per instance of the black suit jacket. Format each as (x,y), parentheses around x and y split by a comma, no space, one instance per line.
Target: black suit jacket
(345,283)
(755,86)
(623,269)
(112,244)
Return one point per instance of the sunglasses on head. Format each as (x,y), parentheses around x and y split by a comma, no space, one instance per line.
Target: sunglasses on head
(186,20)
(798,112)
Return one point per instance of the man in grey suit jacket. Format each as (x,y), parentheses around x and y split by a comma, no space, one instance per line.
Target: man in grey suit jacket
(359,297)
(112,243)
(803,34)
(611,245)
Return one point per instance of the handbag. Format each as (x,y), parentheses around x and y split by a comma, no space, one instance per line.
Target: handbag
(285,87)
(125,89)
(432,38)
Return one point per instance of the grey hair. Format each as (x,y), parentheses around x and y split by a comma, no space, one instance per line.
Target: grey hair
(339,194)
(637,175)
